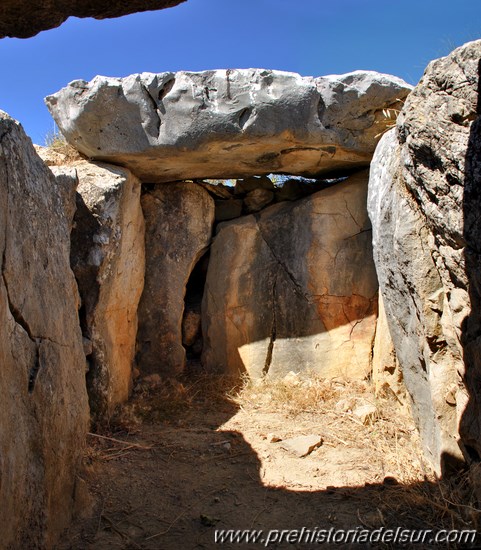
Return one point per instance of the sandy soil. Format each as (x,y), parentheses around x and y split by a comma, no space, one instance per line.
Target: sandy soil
(175,469)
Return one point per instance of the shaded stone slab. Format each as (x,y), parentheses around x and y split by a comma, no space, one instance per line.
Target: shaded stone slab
(179,219)
(424,205)
(108,260)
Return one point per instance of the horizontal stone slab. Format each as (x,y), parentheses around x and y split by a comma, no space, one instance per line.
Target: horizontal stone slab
(228,123)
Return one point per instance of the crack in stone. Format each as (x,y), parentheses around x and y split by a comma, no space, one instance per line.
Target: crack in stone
(297,287)
(227,75)
(32,377)
(357,234)
(153,101)
(352,217)
(15,312)
(18,318)
(273,336)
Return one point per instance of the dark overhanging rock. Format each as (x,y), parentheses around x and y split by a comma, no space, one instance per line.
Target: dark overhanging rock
(26,18)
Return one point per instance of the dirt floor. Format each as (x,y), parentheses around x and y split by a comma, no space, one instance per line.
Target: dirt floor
(183,461)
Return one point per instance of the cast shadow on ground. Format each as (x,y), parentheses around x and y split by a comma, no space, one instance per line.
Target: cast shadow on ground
(195,477)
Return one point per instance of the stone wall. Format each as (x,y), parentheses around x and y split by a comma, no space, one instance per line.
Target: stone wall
(287,282)
(290,280)
(108,260)
(293,288)
(43,401)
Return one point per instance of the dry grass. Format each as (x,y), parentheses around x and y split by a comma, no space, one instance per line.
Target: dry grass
(408,493)
(292,394)
(389,117)
(388,432)
(156,400)
(63,152)
(411,491)
(448,503)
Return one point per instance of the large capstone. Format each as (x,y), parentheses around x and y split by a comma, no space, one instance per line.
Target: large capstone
(227,123)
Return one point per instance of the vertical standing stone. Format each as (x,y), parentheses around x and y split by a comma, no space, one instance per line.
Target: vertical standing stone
(43,402)
(293,288)
(179,218)
(386,373)
(108,260)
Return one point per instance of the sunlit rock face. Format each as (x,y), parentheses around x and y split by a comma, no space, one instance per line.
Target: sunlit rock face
(227,123)
(108,259)
(293,288)
(386,374)
(424,204)
(43,401)
(26,18)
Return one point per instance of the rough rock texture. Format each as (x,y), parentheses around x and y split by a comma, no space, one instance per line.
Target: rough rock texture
(257,200)
(386,373)
(227,123)
(25,18)
(228,209)
(302,445)
(415,301)
(424,204)
(43,402)
(67,182)
(108,261)
(247,185)
(293,288)
(178,228)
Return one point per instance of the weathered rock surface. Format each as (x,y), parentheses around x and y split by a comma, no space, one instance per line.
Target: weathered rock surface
(67,182)
(292,190)
(302,445)
(415,301)
(258,199)
(247,185)
(366,413)
(386,373)
(424,205)
(293,288)
(43,402)
(25,18)
(108,261)
(178,224)
(228,209)
(190,327)
(227,123)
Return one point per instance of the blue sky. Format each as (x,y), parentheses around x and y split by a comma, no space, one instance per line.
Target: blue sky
(311,37)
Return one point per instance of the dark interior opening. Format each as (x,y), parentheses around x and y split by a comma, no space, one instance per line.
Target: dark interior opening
(191,323)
